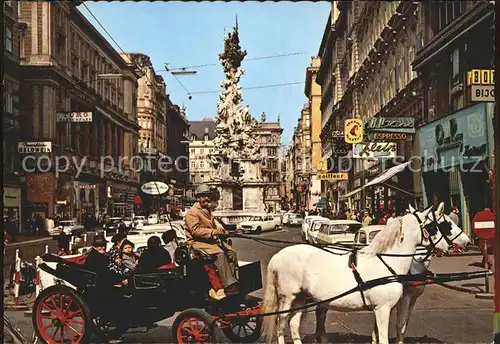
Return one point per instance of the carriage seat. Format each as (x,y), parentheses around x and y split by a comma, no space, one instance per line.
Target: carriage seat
(167,267)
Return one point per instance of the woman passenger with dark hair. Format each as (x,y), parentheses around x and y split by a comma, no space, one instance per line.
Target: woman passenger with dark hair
(153,257)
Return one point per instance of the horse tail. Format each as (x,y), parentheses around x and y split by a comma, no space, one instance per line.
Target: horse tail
(270,305)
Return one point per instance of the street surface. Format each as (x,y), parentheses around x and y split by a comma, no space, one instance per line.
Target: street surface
(442,315)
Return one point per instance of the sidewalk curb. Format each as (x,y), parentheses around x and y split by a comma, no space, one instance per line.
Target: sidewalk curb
(12,307)
(484,296)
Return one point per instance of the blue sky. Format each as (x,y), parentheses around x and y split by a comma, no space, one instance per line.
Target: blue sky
(186,34)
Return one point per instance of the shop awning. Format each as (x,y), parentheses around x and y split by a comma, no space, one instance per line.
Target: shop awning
(388,174)
(353,192)
(381,179)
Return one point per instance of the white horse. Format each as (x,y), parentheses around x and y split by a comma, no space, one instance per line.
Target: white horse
(302,272)
(410,292)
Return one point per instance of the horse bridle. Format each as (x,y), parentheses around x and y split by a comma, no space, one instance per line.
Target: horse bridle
(429,230)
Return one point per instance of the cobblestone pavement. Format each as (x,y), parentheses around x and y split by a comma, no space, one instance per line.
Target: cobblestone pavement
(442,315)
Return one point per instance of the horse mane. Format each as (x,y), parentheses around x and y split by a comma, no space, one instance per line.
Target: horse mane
(385,239)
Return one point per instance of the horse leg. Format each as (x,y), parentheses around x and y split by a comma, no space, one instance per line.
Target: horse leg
(405,306)
(285,303)
(382,315)
(321,336)
(295,321)
(375,333)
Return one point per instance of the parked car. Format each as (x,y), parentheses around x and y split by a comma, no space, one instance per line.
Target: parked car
(139,221)
(113,224)
(292,219)
(337,231)
(231,227)
(163,218)
(139,237)
(128,222)
(257,224)
(153,219)
(70,227)
(306,223)
(314,227)
(366,234)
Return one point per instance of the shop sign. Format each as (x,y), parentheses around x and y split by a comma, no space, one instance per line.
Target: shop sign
(11,197)
(375,150)
(34,147)
(332,176)
(74,117)
(460,138)
(388,136)
(483,85)
(353,130)
(483,93)
(154,188)
(144,150)
(391,124)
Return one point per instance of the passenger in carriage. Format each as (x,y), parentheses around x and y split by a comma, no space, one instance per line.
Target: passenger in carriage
(170,240)
(97,261)
(128,256)
(115,254)
(203,234)
(154,256)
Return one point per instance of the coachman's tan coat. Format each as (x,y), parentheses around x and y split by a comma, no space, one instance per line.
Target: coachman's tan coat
(201,228)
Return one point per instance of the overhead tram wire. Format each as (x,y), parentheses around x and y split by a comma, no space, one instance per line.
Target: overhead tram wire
(248,59)
(255,87)
(185,89)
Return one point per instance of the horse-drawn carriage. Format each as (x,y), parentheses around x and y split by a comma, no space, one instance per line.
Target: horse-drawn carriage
(97,311)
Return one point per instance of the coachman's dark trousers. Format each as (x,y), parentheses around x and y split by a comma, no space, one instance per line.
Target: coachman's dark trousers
(227,264)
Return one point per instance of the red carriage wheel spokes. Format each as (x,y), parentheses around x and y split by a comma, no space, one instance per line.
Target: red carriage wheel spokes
(243,330)
(194,326)
(67,320)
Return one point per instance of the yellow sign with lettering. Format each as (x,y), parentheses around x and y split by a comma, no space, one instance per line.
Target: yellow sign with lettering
(481,77)
(332,176)
(353,130)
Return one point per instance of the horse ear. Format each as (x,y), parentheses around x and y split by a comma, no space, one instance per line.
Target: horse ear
(426,212)
(440,209)
(412,210)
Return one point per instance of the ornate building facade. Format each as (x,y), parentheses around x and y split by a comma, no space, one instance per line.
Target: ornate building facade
(366,72)
(268,137)
(201,145)
(13,185)
(455,38)
(178,151)
(312,91)
(152,115)
(67,67)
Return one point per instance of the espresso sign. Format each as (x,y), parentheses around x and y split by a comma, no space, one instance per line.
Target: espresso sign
(374,150)
(388,136)
(389,124)
(34,147)
(154,188)
(74,117)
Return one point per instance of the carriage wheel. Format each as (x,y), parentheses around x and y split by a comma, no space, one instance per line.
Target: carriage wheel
(60,315)
(194,326)
(244,330)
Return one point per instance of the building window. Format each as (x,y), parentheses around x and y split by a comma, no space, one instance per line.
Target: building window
(202,178)
(202,164)
(455,60)
(8,37)
(7,96)
(193,151)
(193,164)
(202,151)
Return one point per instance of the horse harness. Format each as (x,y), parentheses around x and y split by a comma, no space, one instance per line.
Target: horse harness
(427,231)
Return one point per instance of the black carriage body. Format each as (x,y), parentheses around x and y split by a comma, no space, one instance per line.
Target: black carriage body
(152,297)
